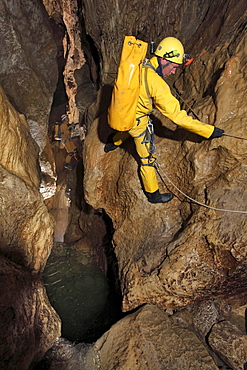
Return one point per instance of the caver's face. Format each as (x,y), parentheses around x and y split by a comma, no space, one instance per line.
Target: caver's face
(170,69)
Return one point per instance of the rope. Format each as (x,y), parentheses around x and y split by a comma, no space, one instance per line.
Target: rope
(198,118)
(157,166)
(188,106)
(236,137)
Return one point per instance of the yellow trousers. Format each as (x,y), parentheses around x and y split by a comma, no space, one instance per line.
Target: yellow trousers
(147,170)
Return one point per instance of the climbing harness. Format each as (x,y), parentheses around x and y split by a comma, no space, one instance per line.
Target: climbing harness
(148,133)
(144,115)
(148,138)
(159,169)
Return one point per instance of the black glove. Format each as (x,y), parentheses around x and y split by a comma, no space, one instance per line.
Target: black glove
(216,133)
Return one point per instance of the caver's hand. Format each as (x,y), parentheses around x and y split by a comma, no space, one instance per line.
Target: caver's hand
(218,132)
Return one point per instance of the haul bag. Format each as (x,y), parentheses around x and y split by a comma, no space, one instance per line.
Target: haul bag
(122,109)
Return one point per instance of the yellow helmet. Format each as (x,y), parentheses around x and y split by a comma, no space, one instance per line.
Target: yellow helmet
(171,49)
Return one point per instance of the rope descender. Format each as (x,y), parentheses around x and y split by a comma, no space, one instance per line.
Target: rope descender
(149,137)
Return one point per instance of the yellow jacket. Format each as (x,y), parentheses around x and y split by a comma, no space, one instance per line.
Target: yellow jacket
(166,103)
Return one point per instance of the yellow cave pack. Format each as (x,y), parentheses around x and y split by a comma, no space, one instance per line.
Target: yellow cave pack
(122,109)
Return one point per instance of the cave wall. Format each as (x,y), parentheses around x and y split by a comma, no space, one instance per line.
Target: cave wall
(180,254)
(150,21)
(173,254)
(170,255)
(29,325)
(29,72)
(28,77)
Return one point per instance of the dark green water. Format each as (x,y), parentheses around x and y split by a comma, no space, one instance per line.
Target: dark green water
(80,293)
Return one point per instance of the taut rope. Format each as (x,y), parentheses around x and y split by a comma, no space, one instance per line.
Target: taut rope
(198,118)
(159,169)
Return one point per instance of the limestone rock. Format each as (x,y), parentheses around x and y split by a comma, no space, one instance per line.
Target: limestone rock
(204,315)
(80,89)
(23,210)
(176,253)
(65,355)
(229,343)
(148,339)
(28,324)
(28,72)
(194,252)
(26,225)
(28,59)
(16,144)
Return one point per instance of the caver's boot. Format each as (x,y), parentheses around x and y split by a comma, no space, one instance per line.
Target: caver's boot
(156,197)
(110,144)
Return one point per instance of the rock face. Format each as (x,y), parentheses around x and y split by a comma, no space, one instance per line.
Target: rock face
(79,75)
(22,206)
(29,71)
(184,262)
(182,253)
(173,254)
(229,343)
(29,325)
(149,339)
(28,68)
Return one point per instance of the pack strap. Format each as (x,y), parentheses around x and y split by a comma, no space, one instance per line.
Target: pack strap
(146,64)
(146,83)
(148,164)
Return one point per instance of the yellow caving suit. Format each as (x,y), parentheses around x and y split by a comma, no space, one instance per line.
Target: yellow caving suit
(169,106)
